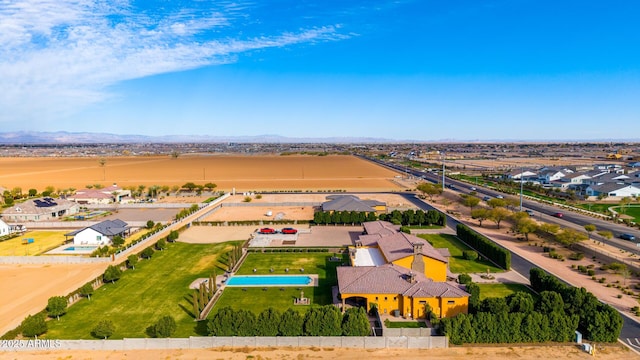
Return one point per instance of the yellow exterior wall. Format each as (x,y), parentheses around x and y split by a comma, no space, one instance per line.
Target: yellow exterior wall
(405,262)
(413,306)
(380,208)
(387,306)
(458,305)
(433,269)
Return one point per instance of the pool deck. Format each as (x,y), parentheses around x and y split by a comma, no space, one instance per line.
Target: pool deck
(221,280)
(60,250)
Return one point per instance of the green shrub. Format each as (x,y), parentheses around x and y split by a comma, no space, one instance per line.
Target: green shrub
(576,256)
(470,255)
(464,279)
(591,272)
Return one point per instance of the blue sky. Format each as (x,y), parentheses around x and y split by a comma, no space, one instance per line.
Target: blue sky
(420,70)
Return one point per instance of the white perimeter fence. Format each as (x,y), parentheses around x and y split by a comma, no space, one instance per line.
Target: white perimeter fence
(356,342)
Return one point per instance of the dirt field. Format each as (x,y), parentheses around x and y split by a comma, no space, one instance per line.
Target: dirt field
(517,162)
(25,289)
(608,352)
(244,173)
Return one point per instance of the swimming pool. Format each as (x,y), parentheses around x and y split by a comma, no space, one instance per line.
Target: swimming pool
(80,248)
(270,280)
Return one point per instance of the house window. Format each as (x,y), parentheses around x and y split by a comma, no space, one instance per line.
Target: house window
(395,298)
(376,298)
(98,238)
(451,302)
(423,303)
(385,298)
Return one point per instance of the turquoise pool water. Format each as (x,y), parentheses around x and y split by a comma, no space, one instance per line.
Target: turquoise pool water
(80,248)
(259,280)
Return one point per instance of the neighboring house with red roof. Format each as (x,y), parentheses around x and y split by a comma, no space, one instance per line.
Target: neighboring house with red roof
(106,195)
(399,273)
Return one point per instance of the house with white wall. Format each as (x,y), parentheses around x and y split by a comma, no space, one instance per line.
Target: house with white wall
(5,229)
(101,233)
(106,195)
(613,190)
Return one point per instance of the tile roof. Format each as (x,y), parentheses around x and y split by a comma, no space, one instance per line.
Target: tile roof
(107,228)
(32,206)
(395,244)
(350,203)
(391,279)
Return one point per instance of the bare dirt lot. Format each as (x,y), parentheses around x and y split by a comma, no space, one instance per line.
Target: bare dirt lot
(566,352)
(25,289)
(244,173)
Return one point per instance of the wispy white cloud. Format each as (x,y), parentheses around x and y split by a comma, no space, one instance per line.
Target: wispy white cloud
(57,56)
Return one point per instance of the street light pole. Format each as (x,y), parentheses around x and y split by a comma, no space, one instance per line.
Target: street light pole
(443,157)
(521,185)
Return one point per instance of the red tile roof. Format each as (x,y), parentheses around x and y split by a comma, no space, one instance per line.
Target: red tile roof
(391,279)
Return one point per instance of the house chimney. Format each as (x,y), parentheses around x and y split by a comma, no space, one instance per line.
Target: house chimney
(411,277)
(417,264)
(417,248)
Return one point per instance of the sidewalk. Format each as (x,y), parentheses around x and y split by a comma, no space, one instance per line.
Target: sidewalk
(560,269)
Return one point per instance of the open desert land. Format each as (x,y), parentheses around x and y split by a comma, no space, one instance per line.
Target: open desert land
(517,162)
(244,173)
(25,289)
(258,208)
(525,352)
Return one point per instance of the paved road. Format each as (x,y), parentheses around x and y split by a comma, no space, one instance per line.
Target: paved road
(630,334)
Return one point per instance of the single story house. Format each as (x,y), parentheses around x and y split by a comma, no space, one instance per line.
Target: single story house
(100,233)
(516,174)
(613,190)
(352,203)
(41,209)
(106,195)
(5,229)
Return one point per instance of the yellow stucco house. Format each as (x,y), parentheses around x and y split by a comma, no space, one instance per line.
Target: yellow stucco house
(399,273)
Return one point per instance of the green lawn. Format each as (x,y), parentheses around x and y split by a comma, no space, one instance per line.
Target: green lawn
(502,290)
(43,241)
(258,299)
(157,287)
(457,263)
(405,324)
(596,207)
(633,211)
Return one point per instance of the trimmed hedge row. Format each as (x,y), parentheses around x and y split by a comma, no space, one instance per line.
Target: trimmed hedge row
(500,256)
(250,222)
(598,321)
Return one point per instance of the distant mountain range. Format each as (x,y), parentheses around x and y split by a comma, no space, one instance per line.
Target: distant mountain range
(64,137)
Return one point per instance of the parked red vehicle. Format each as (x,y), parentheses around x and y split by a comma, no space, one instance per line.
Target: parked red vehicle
(289,231)
(266,231)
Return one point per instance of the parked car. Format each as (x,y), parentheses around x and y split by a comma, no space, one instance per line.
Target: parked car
(267,231)
(627,237)
(289,231)
(558,214)
(486,198)
(530,212)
